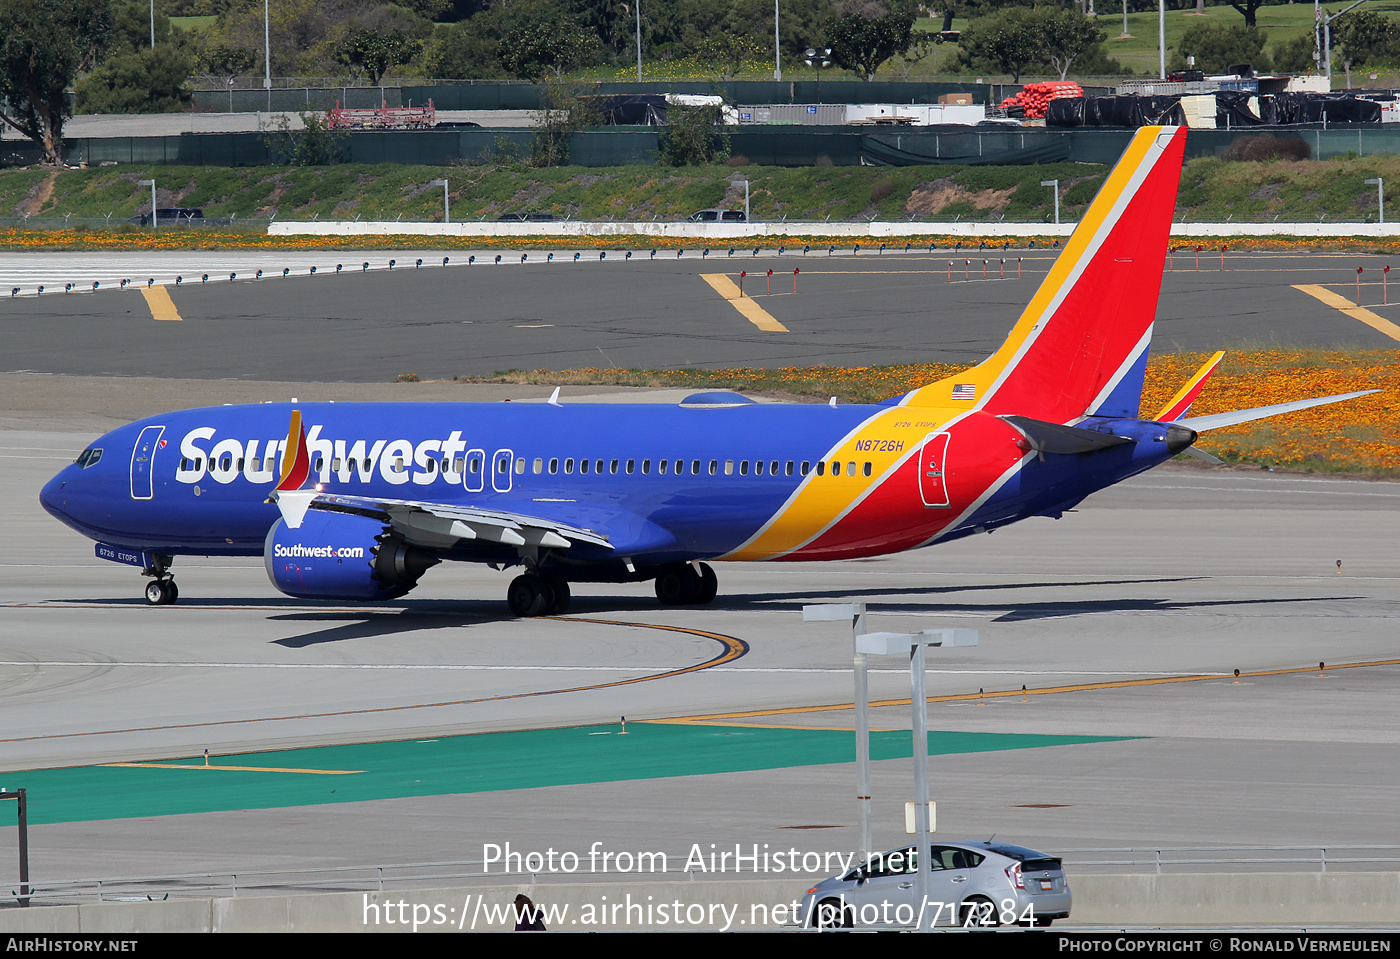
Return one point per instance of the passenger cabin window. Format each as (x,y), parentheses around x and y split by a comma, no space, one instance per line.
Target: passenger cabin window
(694,467)
(788,471)
(821,467)
(867,469)
(743,467)
(806,467)
(583,466)
(835,467)
(661,466)
(569,465)
(539,465)
(598,466)
(680,466)
(631,466)
(519,465)
(646,466)
(554,465)
(612,467)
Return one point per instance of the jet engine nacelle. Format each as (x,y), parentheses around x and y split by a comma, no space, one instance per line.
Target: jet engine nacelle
(342,556)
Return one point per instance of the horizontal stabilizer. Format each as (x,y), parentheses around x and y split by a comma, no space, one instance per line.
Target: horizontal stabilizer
(1217,420)
(1053,438)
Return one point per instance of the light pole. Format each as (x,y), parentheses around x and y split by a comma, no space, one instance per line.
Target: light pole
(821,62)
(152,185)
(915,645)
(267,54)
(153,24)
(884,644)
(24,889)
(1056,185)
(1162,38)
(446,213)
(777,48)
(1379,183)
(638,4)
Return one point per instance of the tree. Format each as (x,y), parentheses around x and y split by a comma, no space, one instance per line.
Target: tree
(1363,36)
(562,113)
(1247,9)
(865,35)
(44,44)
(223,62)
(1218,47)
(147,81)
(1296,55)
(315,144)
(693,135)
(1067,34)
(546,45)
(1009,41)
(727,54)
(375,51)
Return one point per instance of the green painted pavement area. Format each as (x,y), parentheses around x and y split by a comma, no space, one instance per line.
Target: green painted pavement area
(485,762)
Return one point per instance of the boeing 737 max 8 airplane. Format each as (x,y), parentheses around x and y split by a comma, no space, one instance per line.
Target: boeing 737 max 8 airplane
(358,501)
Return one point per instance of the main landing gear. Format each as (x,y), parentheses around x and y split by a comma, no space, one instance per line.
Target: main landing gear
(682,585)
(534,595)
(161,590)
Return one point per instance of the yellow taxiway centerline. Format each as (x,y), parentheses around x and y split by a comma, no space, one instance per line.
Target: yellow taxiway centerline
(718,719)
(751,311)
(162,307)
(236,769)
(1378,323)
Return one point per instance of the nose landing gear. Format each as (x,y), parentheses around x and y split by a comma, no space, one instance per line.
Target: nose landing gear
(161,590)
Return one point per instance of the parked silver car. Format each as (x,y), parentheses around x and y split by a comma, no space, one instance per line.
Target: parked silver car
(979,883)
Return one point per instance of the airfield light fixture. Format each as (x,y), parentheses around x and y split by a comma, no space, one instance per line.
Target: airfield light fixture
(152,185)
(1379,184)
(1056,185)
(446,210)
(820,59)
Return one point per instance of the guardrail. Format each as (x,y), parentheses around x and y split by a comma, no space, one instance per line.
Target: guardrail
(1131,860)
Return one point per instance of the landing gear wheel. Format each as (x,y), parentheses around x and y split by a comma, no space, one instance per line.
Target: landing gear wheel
(159,592)
(708,586)
(559,587)
(676,585)
(529,595)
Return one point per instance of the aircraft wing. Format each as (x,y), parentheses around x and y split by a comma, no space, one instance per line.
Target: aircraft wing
(441,525)
(1216,420)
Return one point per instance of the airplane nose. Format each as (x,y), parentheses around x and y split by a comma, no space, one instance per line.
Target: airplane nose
(52,497)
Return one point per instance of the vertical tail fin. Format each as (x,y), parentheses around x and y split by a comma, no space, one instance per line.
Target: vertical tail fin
(1080,347)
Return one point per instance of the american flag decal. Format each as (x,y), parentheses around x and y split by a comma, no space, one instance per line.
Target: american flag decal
(964,391)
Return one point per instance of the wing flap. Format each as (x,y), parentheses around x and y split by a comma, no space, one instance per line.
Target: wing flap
(440,525)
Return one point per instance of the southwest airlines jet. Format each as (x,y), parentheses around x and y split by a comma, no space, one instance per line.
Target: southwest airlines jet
(358,501)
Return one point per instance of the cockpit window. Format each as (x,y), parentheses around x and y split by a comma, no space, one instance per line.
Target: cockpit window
(89,457)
